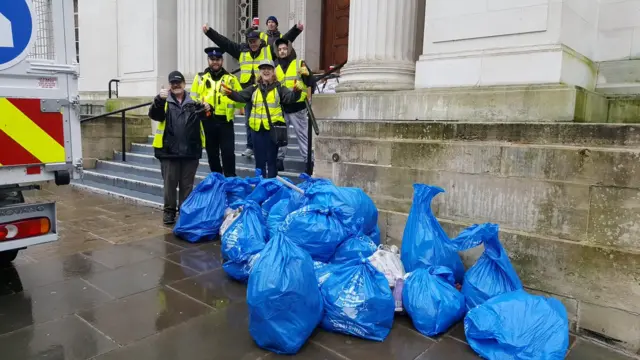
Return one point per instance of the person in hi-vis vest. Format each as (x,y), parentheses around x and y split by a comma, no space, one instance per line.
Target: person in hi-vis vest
(249,55)
(267,97)
(289,71)
(220,111)
(177,143)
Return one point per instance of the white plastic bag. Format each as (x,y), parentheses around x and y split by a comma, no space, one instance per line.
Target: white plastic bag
(387,260)
(230,216)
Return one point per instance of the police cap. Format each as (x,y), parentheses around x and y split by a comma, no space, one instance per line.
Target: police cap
(214,52)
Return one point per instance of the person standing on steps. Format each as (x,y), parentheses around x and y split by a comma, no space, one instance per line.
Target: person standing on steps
(177,143)
(266,122)
(289,72)
(220,111)
(272,34)
(249,55)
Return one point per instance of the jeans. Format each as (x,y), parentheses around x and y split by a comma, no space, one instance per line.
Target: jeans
(265,153)
(247,115)
(177,173)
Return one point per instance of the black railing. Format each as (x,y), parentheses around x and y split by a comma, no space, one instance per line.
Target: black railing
(124,123)
(117,87)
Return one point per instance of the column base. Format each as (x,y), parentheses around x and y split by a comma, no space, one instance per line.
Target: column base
(377,76)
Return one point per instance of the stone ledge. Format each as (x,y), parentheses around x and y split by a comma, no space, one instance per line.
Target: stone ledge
(520,133)
(536,103)
(100,137)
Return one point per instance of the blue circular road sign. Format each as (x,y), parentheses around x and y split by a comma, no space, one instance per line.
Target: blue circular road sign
(17,31)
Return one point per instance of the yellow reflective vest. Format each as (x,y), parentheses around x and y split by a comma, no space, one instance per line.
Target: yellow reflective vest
(249,64)
(205,89)
(157,137)
(264,36)
(259,112)
(289,78)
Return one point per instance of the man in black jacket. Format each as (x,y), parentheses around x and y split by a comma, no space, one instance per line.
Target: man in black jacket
(249,55)
(178,142)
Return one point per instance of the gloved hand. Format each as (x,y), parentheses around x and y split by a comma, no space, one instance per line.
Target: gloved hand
(297,87)
(225,89)
(207,106)
(303,71)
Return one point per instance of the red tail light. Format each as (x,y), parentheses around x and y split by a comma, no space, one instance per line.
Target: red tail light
(25,229)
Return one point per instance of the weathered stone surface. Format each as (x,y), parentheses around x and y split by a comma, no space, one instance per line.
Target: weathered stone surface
(624,110)
(614,217)
(549,103)
(621,327)
(519,133)
(101,137)
(601,276)
(121,103)
(535,206)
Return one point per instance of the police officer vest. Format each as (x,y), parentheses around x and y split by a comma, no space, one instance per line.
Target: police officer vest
(289,78)
(209,90)
(157,138)
(259,112)
(249,64)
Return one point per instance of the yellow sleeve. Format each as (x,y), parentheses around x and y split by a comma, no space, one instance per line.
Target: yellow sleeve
(236,87)
(196,88)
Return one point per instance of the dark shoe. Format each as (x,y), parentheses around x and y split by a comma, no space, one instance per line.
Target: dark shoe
(169,218)
(280,165)
(309,169)
(248,153)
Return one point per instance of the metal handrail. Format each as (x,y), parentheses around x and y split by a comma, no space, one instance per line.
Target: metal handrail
(312,127)
(124,124)
(117,86)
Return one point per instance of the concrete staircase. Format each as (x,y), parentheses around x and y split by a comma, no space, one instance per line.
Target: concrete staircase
(138,180)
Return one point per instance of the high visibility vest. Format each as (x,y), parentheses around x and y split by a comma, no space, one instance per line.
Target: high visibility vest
(289,78)
(259,112)
(265,37)
(157,137)
(249,64)
(209,90)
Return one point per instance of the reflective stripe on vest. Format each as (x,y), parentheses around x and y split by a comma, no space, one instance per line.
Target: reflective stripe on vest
(221,104)
(258,112)
(249,65)
(157,137)
(289,78)
(265,37)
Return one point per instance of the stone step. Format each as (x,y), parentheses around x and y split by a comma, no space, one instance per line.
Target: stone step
(129,196)
(614,166)
(145,160)
(578,134)
(240,137)
(293,151)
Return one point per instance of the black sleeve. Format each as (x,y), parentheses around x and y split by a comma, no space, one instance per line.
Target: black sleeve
(232,48)
(156,111)
(308,80)
(287,96)
(292,34)
(243,96)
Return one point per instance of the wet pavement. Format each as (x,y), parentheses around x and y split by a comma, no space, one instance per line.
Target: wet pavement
(119,285)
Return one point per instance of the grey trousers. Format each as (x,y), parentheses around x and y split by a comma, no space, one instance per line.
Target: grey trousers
(177,173)
(300,127)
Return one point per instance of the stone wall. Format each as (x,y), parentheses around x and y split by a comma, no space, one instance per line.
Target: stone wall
(566,195)
(101,137)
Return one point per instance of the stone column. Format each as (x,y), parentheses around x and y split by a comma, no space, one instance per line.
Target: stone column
(192,14)
(382,51)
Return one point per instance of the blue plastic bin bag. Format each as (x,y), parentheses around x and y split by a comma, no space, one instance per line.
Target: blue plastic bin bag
(285,303)
(424,242)
(283,194)
(518,326)
(237,189)
(202,214)
(323,271)
(430,298)
(355,247)
(358,301)
(374,235)
(493,273)
(316,229)
(264,188)
(243,241)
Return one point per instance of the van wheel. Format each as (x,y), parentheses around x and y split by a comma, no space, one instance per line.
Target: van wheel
(6,257)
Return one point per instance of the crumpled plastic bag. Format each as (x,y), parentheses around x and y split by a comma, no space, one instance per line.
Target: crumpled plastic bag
(316,229)
(264,188)
(202,213)
(387,260)
(237,189)
(323,271)
(493,274)
(431,300)
(285,303)
(355,247)
(518,326)
(424,242)
(243,241)
(358,301)
(283,194)
(230,215)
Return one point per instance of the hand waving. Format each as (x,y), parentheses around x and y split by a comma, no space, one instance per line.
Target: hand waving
(205,28)
(300,26)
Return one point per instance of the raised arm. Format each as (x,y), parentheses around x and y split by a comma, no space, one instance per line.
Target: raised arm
(230,47)
(243,96)
(293,33)
(156,111)
(289,97)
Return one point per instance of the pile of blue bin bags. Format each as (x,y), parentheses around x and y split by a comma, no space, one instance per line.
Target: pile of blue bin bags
(307,255)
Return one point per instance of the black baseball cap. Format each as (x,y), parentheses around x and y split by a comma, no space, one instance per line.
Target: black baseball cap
(281,41)
(176,76)
(253,35)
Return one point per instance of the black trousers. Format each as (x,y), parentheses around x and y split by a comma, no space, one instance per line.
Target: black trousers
(220,140)
(265,153)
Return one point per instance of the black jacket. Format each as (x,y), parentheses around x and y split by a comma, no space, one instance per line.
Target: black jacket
(308,80)
(235,49)
(181,139)
(286,96)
